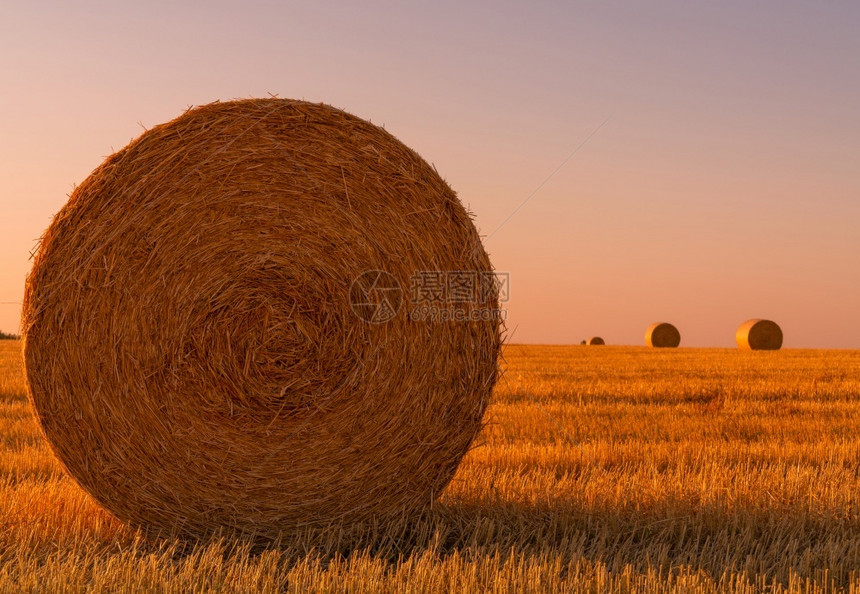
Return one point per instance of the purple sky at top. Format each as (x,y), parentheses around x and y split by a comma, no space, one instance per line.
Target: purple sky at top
(725,184)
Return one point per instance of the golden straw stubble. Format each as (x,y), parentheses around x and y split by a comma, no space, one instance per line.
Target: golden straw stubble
(192,353)
(662,335)
(759,335)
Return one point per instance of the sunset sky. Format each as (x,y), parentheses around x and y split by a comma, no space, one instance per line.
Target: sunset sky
(721,180)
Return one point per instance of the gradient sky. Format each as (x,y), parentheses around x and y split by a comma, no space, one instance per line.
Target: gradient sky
(725,184)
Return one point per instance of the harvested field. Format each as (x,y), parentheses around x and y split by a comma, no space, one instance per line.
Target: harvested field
(611,469)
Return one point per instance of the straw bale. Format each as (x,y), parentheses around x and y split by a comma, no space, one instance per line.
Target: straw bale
(191,350)
(662,335)
(759,335)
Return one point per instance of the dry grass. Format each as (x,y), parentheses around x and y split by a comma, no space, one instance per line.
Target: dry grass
(616,469)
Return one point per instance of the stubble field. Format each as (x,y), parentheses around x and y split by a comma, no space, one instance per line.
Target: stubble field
(601,469)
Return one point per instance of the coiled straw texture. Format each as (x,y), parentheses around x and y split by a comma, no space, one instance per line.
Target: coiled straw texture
(192,353)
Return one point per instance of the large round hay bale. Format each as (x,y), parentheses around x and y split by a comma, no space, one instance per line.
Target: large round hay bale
(662,335)
(759,335)
(192,351)
(596,341)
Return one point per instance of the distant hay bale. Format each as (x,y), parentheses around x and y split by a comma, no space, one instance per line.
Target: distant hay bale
(192,353)
(595,341)
(662,335)
(759,335)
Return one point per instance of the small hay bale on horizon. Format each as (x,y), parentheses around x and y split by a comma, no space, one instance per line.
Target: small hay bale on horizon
(759,335)
(192,351)
(662,335)
(596,341)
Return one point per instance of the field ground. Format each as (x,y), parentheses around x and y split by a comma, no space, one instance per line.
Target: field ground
(601,469)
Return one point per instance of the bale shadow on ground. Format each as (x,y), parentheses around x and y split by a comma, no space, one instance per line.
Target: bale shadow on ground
(719,541)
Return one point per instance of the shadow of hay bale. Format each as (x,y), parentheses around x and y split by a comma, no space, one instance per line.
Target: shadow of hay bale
(660,536)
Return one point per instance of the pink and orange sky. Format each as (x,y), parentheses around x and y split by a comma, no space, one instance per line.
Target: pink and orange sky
(725,184)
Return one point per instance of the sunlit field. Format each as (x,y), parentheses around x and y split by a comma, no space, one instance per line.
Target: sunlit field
(600,469)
